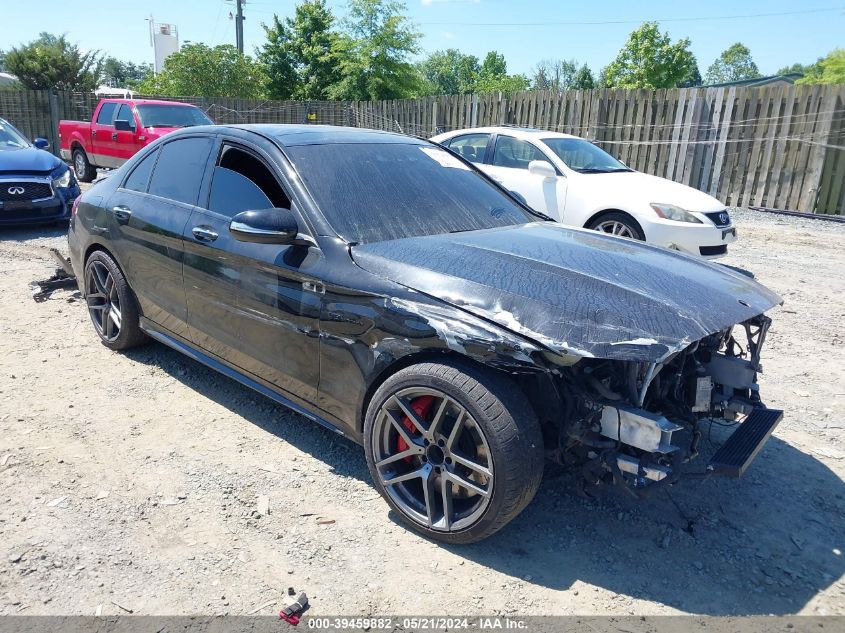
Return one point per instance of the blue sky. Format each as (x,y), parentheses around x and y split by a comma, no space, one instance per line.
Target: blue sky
(524,30)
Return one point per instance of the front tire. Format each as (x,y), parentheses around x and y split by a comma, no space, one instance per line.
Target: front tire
(111,303)
(455,450)
(84,170)
(619,224)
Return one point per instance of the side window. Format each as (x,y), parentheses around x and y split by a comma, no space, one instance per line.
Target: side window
(106,114)
(140,176)
(179,170)
(511,152)
(470,146)
(125,114)
(242,182)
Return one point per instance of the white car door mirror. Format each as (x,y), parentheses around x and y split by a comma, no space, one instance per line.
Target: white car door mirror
(542,168)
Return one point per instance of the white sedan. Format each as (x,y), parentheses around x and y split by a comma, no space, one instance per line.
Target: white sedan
(577,183)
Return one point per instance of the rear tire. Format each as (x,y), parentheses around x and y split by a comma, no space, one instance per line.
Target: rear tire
(111,303)
(483,474)
(84,170)
(619,224)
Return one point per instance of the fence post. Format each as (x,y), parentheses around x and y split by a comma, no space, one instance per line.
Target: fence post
(53,103)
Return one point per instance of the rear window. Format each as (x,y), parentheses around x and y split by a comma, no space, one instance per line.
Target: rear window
(140,176)
(179,170)
(106,113)
(171,116)
(371,192)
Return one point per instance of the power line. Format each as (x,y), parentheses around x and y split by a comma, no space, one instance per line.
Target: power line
(612,22)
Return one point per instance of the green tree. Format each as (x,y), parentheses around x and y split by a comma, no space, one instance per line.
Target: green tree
(693,79)
(53,62)
(828,70)
(449,72)
(557,75)
(493,76)
(299,53)
(554,74)
(494,65)
(120,74)
(583,79)
(202,71)
(2,61)
(650,59)
(795,68)
(734,64)
(373,55)
(503,83)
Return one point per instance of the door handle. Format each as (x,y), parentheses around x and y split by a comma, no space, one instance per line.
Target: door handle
(93,132)
(122,213)
(204,233)
(114,136)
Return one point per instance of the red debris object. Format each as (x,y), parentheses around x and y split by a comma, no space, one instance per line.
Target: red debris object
(291,613)
(422,407)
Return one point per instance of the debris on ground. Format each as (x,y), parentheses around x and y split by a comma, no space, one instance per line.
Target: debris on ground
(41,290)
(292,612)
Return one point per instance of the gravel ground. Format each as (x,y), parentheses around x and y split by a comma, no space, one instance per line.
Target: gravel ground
(132,482)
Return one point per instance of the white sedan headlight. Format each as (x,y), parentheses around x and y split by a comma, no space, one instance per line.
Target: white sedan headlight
(671,212)
(63,180)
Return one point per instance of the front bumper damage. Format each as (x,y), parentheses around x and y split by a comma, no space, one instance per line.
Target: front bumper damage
(638,424)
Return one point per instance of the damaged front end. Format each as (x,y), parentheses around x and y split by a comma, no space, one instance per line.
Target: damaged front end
(637,423)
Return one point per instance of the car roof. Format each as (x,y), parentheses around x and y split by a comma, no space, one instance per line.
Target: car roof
(519,132)
(314,134)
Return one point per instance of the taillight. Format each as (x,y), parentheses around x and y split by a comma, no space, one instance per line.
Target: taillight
(75,206)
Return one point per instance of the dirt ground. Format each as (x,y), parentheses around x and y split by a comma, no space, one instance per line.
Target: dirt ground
(130,482)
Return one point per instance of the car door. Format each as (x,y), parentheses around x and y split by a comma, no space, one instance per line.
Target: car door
(102,129)
(148,214)
(255,306)
(125,141)
(508,166)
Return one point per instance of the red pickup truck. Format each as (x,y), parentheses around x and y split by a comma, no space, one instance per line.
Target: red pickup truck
(118,129)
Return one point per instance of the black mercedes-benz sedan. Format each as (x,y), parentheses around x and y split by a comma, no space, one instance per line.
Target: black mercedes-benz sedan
(384,287)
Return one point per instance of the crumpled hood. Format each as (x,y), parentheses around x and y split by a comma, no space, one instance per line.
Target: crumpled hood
(574,291)
(645,189)
(27,160)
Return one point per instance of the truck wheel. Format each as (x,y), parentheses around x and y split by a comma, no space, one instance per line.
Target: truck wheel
(455,449)
(85,171)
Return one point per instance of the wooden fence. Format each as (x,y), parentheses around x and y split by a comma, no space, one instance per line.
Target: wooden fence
(777,146)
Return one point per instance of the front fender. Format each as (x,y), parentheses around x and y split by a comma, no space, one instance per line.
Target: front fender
(365,338)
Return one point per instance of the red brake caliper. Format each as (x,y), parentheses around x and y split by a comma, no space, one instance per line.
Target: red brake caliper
(421,407)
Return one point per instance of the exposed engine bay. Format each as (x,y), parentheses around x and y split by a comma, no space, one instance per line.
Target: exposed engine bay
(636,423)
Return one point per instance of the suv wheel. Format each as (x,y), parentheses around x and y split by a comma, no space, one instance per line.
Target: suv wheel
(111,304)
(455,450)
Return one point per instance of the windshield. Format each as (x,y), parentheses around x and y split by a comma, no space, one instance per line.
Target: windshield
(582,156)
(10,138)
(171,116)
(370,192)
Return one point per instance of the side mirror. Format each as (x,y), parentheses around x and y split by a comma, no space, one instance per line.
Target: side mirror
(542,168)
(41,143)
(267,226)
(122,125)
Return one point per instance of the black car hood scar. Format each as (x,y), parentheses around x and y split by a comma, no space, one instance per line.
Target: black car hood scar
(574,292)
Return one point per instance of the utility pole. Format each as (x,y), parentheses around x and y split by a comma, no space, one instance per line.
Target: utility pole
(239,26)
